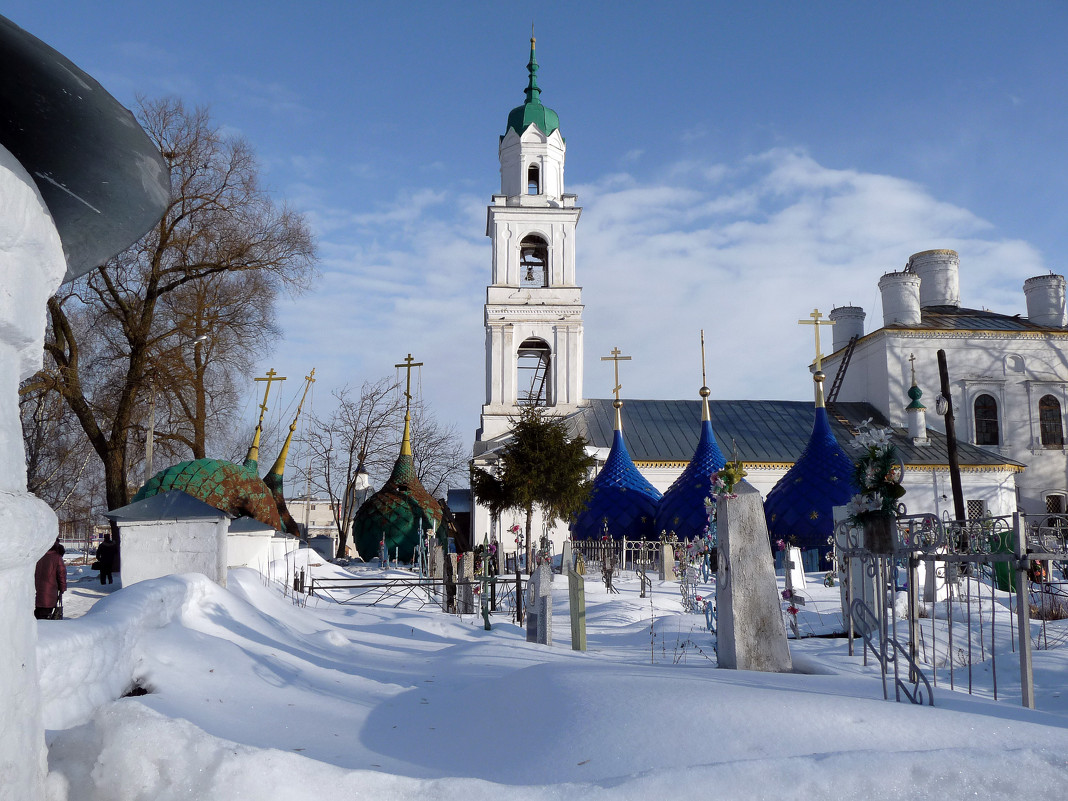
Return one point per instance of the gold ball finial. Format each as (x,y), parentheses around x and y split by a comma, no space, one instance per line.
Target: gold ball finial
(617,403)
(705,392)
(819,376)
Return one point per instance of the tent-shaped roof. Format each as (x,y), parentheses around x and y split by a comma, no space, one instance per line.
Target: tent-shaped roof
(170,505)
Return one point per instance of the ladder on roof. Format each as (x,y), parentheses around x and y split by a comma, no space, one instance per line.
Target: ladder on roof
(839,377)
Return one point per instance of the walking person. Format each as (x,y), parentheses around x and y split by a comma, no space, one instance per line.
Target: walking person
(50,578)
(107,554)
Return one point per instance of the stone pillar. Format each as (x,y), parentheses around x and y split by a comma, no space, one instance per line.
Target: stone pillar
(465,589)
(566,558)
(543,580)
(448,597)
(750,630)
(31,268)
(437,560)
(667,562)
(576,597)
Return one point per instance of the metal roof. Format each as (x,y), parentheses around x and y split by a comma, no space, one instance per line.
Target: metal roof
(753,431)
(956,318)
(169,505)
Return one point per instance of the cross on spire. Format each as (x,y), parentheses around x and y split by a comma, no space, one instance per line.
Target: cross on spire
(816,321)
(615,357)
(408,364)
(270,376)
(912,363)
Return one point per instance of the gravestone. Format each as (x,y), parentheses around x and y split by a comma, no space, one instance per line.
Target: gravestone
(543,579)
(566,558)
(448,596)
(667,561)
(437,560)
(530,601)
(751,634)
(853,578)
(931,577)
(576,597)
(465,587)
(794,567)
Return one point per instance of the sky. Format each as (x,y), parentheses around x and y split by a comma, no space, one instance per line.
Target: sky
(251,694)
(738,165)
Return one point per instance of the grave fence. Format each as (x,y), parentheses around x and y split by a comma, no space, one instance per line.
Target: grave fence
(957,602)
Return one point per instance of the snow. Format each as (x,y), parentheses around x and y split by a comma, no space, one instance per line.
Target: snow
(252,694)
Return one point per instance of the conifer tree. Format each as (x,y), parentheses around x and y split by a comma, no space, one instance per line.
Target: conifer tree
(540,466)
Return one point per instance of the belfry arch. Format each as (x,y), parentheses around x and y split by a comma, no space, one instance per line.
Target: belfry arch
(533,370)
(533,261)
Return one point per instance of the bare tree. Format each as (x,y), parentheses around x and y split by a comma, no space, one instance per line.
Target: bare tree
(441,461)
(211,268)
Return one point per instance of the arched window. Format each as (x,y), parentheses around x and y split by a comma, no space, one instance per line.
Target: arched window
(533,262)
(533,363)
(1049,420)
(533,180)
(986,421)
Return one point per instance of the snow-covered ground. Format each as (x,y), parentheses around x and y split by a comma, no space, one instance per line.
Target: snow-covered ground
(252,695)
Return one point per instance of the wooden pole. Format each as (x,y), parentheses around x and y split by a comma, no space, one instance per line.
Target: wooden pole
(951,440)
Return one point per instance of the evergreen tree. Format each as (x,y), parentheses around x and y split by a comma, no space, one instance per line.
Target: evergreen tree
(540,466)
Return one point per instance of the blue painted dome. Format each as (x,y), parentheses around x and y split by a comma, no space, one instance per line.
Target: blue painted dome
(682,509)
(799,506)
(622,497)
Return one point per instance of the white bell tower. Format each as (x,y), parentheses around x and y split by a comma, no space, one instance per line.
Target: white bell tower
(533,307)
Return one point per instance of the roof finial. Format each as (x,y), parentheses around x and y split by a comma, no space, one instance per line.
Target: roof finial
(705,391)
(406,440)
(816,321)
(533,92)
(280,463)
(617,403)
(253,456)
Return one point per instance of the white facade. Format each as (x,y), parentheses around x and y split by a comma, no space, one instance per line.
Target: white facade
(1017,364)
(155,548)
(533,304)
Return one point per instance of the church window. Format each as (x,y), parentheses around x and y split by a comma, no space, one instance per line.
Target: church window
(975,508)
(986,421)
(533,363)
(533,180)
(533,262)
(1049,420)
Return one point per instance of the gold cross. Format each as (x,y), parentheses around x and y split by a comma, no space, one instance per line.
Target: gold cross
(704,382)
(615,357)
(816,322)
(271,376)
(912,362)
(408,364)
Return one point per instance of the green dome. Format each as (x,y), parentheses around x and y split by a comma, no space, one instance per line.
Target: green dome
(233,488)
(532,111)
(398,514)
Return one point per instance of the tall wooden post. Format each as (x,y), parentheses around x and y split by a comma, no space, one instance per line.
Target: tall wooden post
(951,440)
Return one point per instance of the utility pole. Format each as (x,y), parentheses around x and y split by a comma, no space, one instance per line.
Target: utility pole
(951,440)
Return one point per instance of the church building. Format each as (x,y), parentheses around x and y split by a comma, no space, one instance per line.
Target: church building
(534,355)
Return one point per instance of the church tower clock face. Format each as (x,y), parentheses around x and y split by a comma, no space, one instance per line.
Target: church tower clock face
(533,311)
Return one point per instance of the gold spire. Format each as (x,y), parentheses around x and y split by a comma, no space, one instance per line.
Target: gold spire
(615,357)
(704,391)
(254,449)
(280,463)
(406,440)
(819,376)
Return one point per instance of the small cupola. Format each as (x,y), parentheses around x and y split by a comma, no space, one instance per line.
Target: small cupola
(532,111)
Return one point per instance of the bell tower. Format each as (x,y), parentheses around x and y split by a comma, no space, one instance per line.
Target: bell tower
(533,309)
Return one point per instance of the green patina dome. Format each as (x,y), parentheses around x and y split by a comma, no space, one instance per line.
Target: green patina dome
(532,111)
(233,488)
(398,513)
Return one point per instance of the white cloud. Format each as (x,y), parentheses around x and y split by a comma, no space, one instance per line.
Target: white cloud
(743,251)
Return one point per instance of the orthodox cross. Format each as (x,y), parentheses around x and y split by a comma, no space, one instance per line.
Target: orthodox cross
(311,380)
(912,363)
(271,376)
(615,357)
(408,364)
(704,382)
(816,322)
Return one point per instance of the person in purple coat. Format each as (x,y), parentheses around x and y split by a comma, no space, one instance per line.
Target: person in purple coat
(50,577)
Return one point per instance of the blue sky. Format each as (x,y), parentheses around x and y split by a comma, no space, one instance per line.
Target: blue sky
(737,163)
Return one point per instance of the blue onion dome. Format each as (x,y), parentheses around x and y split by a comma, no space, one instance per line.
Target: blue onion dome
(800,504)
(621,498)
(682,510)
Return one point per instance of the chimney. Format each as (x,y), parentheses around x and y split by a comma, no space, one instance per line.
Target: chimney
(848,322)
(1045,300)
(939,277)
(901,298)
